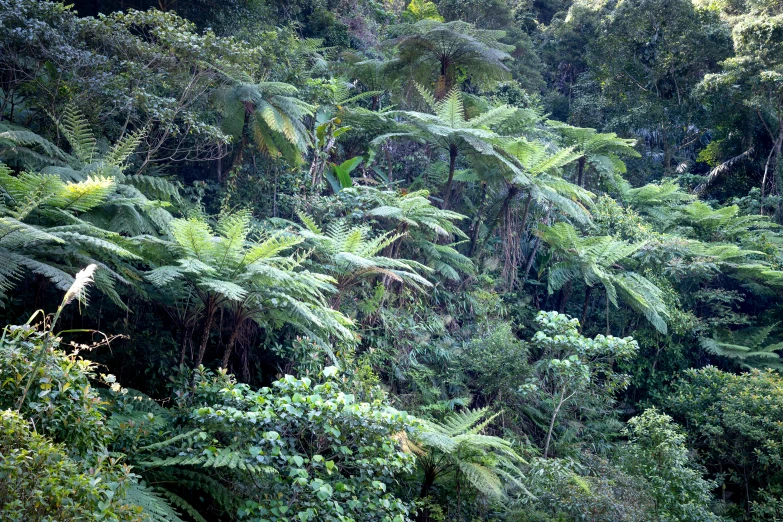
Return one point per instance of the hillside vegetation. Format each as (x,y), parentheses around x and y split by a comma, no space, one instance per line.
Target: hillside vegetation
(379,261)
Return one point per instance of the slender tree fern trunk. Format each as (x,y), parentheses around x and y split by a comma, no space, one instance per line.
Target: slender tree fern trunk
(429,480)
(530,260)
(512,192)
(452,165)
(459,497)
(477,223)
(184,345)
(525,212)
(242,143)
(426,485)
(444,82)
(232,341)
(552,423)
(390,166)
(565,296)
(209,317)
(580,165)
(397,245)
(585,305)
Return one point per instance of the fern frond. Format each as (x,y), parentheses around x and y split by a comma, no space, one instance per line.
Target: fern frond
(74,127)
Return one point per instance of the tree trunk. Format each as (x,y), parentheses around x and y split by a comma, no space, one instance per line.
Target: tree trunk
(552,424)
(452,165)
(389,165)
(525,212)
(588,291)
(444,83)
(565,295)
(477,224)
(242,144)
(580,180)
(512,191)
(186,333)
(426,485)
(232,340)
(529,265)
(459,498)
(209,318)
(533,253)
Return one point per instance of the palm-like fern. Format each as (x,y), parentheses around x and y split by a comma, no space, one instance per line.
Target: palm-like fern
(225,267)
(722,224)
(59,240)
(597,260)
(451,131)
(539,173)
(431,48)
(80,204)
(535,169)
(413,210)
(136,205)
(601,151)
(269,113)
(750,347)
(374,76)
(661,202)
(20,147)
(423,225)
(456,445)
(351,254)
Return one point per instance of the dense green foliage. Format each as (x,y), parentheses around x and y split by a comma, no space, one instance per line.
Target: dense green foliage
(391,261)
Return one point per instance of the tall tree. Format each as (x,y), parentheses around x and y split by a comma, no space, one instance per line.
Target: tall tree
(647,59)
(754,78)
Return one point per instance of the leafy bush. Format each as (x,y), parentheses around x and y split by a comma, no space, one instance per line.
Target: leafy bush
(60,403)
(295,451)
(657,453)
(736,424)
(40,483)
(574,384)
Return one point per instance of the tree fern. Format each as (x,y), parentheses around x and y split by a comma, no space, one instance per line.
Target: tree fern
(265,111)
(75,128)
(248,276)
(749,348)
(599,151)
(456,445)
(430,49)
(597,261)
(152,502)
(451,131)
(60,241)
(23,148)
(350,254)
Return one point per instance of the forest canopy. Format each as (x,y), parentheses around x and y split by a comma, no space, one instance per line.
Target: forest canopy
(391,261)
